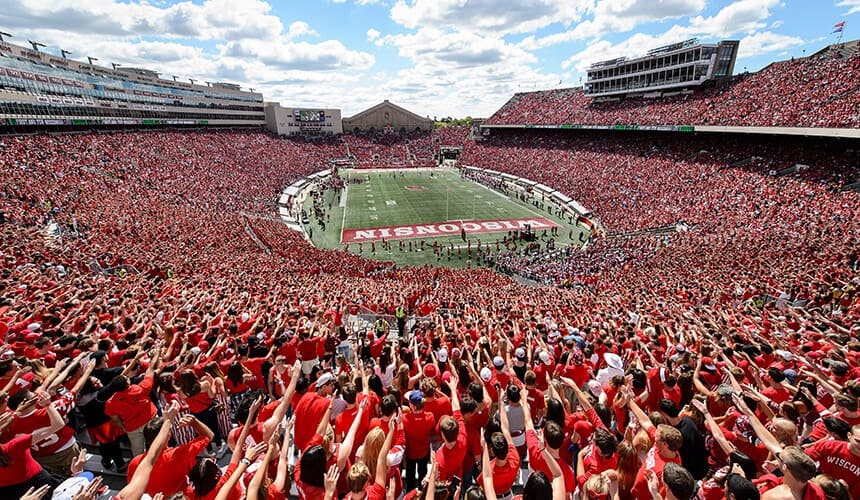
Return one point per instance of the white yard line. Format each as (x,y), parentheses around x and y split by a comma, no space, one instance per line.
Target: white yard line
(514,201)
(343,204)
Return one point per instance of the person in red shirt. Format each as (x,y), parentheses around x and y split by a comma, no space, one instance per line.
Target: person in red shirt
(206,481)
(307,351)
(18,470)
(553,439)
(797,470)
(311,409)
(56,452)
(343,422)
(506,460)
(449,456)
(173,464)
(775,391)
(435,401)
(418,425)
(840,459)
(131,408)
(846,409)
(255,366)
(667,441)
(321,454)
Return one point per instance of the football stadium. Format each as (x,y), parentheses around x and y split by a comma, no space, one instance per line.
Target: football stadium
(641,287)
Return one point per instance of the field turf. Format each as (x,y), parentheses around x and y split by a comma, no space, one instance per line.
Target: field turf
(412,197)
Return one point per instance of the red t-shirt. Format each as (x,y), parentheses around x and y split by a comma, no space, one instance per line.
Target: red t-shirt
(418,427)
(777,394)
(449,461)
(343,422)
(22,466)
(537,462)
(439,407)
(309,413)
(506,473)
(307,349)
(255,366)
(653,462)
(235,493)
(171,467)
(537,403)
(132,405)
(835,460)
(37,419)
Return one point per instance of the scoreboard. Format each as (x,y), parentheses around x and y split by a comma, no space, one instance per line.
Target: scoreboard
(309,115)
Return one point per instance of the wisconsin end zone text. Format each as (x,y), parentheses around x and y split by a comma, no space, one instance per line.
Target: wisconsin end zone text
(443,229)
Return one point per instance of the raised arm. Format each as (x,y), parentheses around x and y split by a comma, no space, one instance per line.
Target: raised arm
(634,408)
(277,417)
(253,492)
(137,485)
(486,471)
(56,423)
(580,396)
(283,458)
(717,432)
(767,439)
(503,419)
(558,491)
(251,455)
(382,459)
(246,429)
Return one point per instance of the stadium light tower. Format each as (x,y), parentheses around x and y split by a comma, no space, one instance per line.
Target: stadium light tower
(91,59)
(251,89)
(65,52)
(2,34)
(115,66)
(36,45)
(192,80)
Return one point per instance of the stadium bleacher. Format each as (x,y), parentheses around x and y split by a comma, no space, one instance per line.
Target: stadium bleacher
(819,91)
(157,253)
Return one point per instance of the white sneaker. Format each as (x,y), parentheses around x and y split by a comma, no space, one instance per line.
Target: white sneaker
(223,449)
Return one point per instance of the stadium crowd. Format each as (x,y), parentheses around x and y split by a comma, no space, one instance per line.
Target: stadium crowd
(138,312)
(815,91)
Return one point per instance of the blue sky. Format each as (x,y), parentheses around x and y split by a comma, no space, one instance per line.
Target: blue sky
(434,57)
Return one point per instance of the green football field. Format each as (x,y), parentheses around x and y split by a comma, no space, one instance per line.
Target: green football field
(411,206)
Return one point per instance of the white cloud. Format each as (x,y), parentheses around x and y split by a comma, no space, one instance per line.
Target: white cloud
(743,16)
(432,46)
(324,56)
(618,16)
(740,17)
(852,5)
(213,19)
(488,16)
(372,34)
(766,43)
(300,28)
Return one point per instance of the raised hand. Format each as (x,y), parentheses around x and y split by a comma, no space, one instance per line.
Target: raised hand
(172,411)
(90,491)
(79,462)
(330,480)
(34,494)
(255,451)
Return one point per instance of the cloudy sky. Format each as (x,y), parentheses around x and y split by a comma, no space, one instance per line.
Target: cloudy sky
(434,57)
